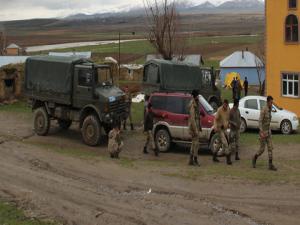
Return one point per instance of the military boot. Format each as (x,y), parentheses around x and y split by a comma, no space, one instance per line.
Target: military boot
(196,163)
(145,150)
(254,161)
(215,157)
(237,156)
(156,152)
(191,161)
(228,159)
(131,125)
(271,166)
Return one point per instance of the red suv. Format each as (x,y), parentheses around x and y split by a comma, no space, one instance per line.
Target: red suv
(171,120)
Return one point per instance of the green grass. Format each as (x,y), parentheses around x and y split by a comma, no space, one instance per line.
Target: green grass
(11,215)
(137,111)
(20,107)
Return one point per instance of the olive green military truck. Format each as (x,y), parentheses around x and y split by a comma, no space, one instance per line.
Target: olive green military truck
(70,89)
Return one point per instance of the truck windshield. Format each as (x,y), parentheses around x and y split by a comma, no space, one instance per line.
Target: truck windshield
(206,105)
(104,76)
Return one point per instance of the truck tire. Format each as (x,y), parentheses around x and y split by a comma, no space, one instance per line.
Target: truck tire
(41,121)
(64,124)
(91,130)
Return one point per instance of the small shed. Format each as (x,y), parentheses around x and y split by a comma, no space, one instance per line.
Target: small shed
(13,50)
(131,72)
(244,63)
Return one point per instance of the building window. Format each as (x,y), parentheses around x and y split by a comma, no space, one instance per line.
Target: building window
(290,85)
(292,4)
(291,29)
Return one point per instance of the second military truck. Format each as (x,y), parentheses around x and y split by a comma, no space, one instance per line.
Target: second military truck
(70,89)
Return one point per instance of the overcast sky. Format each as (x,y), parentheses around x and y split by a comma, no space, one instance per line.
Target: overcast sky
(26,9)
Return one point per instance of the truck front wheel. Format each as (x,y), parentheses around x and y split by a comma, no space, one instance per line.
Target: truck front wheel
(91,130)
(41,121)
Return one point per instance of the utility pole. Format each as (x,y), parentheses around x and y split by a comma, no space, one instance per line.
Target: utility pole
(119,60)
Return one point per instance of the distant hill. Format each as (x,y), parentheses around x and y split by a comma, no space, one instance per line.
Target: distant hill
(230,6)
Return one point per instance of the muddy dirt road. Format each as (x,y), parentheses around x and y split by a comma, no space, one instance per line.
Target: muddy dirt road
(38,174)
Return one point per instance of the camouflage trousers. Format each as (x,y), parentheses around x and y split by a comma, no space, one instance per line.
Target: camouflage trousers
(195,146)
(263,142)
(224,143)
(234,140)
(149,140)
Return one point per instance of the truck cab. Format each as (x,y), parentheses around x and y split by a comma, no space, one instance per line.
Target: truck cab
(69,89)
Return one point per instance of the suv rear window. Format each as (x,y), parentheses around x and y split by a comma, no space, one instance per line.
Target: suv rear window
(172,104)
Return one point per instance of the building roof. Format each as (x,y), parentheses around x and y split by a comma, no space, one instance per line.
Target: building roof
(190,59)
(132,66)
(241,59)
(12,46)
(6,60)
(86,55)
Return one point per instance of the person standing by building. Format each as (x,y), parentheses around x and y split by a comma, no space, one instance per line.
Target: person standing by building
(221,124)
(194,127)
(128,100)
(115,144)
(246,85)
(265,135)
(238,89)
(235,124)
(148,129)
(233,86)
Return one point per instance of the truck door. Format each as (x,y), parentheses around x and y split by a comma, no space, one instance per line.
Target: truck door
(83,86)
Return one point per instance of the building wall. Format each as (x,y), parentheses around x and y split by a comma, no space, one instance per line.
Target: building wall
(12,51)
(280,56)
(250,73)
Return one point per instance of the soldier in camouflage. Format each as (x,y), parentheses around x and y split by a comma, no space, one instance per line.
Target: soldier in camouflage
(128,100)
(235,124)
(115,144)
(194,128)
(265,135)
(221,124)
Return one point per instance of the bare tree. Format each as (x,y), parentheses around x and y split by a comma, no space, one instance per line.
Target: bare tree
(164,28)
(2,42)
(260,62)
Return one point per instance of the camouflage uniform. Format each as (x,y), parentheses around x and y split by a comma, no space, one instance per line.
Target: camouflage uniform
(221,124)
(128,100)
(114,143)
(264,126)
(194,126)
(235,124)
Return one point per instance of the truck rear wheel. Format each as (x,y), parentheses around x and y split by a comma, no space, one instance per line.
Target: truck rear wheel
(91,130)
(64,124)
(41,121)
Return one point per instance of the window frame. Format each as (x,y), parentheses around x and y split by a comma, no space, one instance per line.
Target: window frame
(292,8)
(288,81)
(91,81)
(291,31)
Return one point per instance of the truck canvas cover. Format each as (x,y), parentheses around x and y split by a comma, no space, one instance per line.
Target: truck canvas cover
(172,76)
(50,77)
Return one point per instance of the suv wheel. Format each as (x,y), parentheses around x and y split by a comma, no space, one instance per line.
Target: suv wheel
(214,105)
(215,144)
(41,121)
(162,140)
(91,130)
(286,127)
(64,124)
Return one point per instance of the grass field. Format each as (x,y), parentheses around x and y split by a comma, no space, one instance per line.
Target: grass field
(11,215)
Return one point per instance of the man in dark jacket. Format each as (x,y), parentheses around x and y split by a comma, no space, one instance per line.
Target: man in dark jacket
(246,86)
(148,129)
